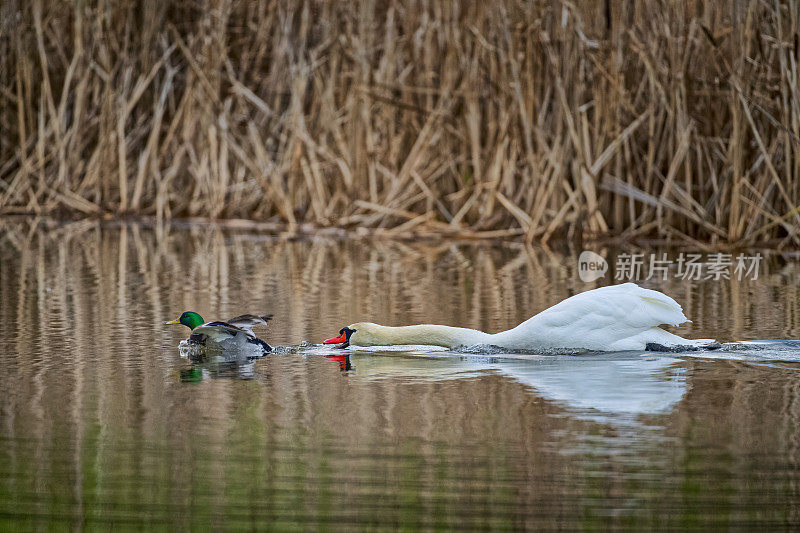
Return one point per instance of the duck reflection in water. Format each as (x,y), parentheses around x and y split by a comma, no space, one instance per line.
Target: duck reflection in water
(197,372)
(217,364)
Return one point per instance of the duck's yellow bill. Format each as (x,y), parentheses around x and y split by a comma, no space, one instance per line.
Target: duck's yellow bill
(176,321)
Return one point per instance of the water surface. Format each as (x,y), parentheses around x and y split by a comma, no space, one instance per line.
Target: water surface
(104,424)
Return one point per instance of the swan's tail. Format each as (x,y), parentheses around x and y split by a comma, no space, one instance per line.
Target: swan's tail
(658,306)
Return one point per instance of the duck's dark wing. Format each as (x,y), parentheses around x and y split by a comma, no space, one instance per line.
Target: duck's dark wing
(217,331)
(220,331)
(222,327)
(246,322)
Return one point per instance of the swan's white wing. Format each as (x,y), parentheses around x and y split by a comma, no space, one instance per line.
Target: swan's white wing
(617,317)
(626,304)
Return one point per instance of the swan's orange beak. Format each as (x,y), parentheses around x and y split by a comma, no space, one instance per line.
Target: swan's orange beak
(337,340)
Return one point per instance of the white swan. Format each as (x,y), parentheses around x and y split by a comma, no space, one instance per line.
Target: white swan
(614,318)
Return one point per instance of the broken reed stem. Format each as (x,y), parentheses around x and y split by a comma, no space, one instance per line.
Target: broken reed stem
(648,118)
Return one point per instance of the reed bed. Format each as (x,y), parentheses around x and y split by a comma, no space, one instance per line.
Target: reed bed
(581,119)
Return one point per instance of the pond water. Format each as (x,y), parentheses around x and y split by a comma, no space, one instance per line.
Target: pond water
(104,424)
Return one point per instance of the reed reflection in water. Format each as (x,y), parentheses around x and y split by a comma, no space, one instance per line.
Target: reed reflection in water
(103,423)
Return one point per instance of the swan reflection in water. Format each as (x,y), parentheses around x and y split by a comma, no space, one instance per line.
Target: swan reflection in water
(620,384)
(600,386)
(343,361)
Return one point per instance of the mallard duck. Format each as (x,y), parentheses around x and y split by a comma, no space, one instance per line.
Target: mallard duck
(233,333)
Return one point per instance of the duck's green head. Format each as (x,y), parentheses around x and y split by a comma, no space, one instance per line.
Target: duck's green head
(190,319)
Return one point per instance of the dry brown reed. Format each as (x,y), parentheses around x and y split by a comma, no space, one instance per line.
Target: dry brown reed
(672,119)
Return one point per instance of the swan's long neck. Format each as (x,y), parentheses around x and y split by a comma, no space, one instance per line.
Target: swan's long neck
(426,334)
